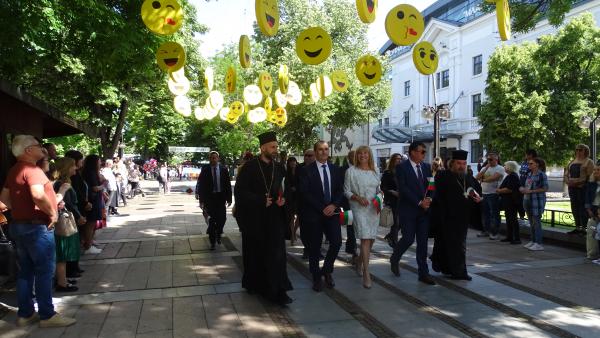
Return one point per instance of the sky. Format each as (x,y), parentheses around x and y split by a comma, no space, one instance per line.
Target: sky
(228,19)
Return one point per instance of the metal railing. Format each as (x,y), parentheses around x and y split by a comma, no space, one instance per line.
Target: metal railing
(555,217)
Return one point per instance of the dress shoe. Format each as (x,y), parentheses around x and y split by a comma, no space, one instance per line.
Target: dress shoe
(317,285)
(67,288)
(463,277)
(329,281)
(284,299)
(212,246)
(395,268)
(390,240)
(427,279)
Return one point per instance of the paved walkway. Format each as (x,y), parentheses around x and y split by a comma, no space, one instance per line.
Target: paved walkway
(157,278)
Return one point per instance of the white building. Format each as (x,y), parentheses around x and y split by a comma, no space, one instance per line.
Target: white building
(465,38)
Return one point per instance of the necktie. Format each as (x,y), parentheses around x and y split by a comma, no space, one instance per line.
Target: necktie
(419,173)
(326,191)
(215,181)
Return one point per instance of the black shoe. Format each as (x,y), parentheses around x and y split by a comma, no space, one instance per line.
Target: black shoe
(395,268)
(317,285)
(329,281)
(284,299)
(219,240)
(115,213)
(390,240)
(212,246)
(72,281)
(68,288)
(74,275)
(427,279)
(515,242)
(463,277)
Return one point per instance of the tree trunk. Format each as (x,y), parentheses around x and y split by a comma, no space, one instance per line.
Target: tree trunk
(110,142)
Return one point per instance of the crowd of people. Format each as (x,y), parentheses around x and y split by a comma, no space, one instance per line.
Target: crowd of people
(55,206)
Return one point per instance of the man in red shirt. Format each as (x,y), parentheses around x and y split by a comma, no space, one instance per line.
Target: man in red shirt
(30,196)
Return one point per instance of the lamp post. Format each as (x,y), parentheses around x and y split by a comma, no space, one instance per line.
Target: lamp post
(588,122)
(436,114)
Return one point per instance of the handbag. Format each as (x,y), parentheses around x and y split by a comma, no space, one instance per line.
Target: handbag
(66,225)
(8,256)
(386,217)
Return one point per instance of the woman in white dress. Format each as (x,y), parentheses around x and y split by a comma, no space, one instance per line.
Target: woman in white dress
(361,184)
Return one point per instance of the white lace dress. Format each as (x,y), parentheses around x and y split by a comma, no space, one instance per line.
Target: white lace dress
(364,183)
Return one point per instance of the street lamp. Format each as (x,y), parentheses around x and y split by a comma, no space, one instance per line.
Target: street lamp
(588,122)
(436,114)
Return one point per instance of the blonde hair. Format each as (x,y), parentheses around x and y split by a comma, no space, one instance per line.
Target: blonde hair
(63,167)
(371,160)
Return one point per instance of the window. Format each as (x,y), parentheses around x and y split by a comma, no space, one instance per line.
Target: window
(477,64)
(407,119)
(406,88)
(380,122)
(476,151)
(386,121)
(442,79)
(476,104)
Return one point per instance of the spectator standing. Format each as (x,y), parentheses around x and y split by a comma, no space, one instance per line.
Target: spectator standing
(523,171)
(111,187)
(437,165)
(490,177)
(389,186)
(81,189)
(534,201)
(576,175)
(291,197)
(163,178)
(592,203)
(510,198)
(96,216)
(31,198)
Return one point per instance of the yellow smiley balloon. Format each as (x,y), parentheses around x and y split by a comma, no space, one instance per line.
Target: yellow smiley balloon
(231,118)
(339,80)
(404,25)
(368,70)
(236,108)
(284,79)
(503,18)
(267,16)
(265,82)
(367,10)
(245,51)
(230,79)
(209,78)
(313,45)
(170,56)
(425,58)
(268,105)
(162,17)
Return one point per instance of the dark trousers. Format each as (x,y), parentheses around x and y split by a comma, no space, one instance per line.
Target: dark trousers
(577,196)
(512,223)
(414,228)
(314,236)
(395,228)
(350,240)
(217,212)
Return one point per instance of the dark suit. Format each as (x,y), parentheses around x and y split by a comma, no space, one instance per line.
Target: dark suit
(314,223)
(414,219)
(213,200)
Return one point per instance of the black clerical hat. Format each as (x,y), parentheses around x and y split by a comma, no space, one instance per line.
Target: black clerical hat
(459,154)
(267,137)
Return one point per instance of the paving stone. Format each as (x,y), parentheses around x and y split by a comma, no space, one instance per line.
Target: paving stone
(183,273)
(189,318)
(156,316)
(136,276)
(128,250)
(221,316)
(122,319)
(89,321)
(161,275)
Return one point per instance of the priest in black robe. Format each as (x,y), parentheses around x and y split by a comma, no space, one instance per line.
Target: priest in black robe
(260,207)
(455,194)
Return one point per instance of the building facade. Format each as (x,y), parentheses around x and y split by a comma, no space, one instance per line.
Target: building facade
(465,38)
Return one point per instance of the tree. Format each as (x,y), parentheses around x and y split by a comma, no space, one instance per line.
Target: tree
(527,13)
(348,109)
(95,60)
(539,92)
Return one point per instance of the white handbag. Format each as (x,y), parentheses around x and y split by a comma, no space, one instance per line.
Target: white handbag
(386,217)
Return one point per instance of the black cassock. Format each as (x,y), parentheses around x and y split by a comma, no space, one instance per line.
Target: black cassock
(450,218)
(263,229)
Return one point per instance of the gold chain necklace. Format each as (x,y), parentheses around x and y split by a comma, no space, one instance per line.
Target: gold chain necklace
(463,186)
(267,188)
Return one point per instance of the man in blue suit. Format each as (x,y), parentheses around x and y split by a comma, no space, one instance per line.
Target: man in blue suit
(321,190)
(414,203)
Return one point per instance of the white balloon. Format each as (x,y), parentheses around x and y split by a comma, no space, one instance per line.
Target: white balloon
(314,93)
(199,113)
(280,99)
(177,75)
(210,113)
(215,100)
(253,95)
(257,115)
(180,87)
(182,105)
(209,79)
(327,83)
(223,113)
(294,95)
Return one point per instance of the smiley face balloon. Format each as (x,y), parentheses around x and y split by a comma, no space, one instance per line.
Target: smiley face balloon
(368,70)
(339,80)
(267,16)
(367,9)
(404,25)
(162,17)
(170,56)
(313,45)
(284,79)
(503,18)
(245,51)
(230,79)
(236,108)
(265,83)
(253,95)
(425,58)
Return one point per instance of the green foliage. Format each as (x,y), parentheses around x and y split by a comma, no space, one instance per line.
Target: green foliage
(527,13)
(348,109)
(537,93)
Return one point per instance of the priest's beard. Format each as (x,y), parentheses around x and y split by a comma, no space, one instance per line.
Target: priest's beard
(459,174)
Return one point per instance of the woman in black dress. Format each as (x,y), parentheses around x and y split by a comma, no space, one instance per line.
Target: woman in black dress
(510,199)
(291,197)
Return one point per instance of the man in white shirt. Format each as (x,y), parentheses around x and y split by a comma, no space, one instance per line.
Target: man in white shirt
(111,187)
(490,177)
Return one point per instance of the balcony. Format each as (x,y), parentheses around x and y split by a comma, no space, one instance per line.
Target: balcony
(453,128)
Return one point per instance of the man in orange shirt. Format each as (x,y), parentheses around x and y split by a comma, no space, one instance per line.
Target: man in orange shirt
(29,195)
